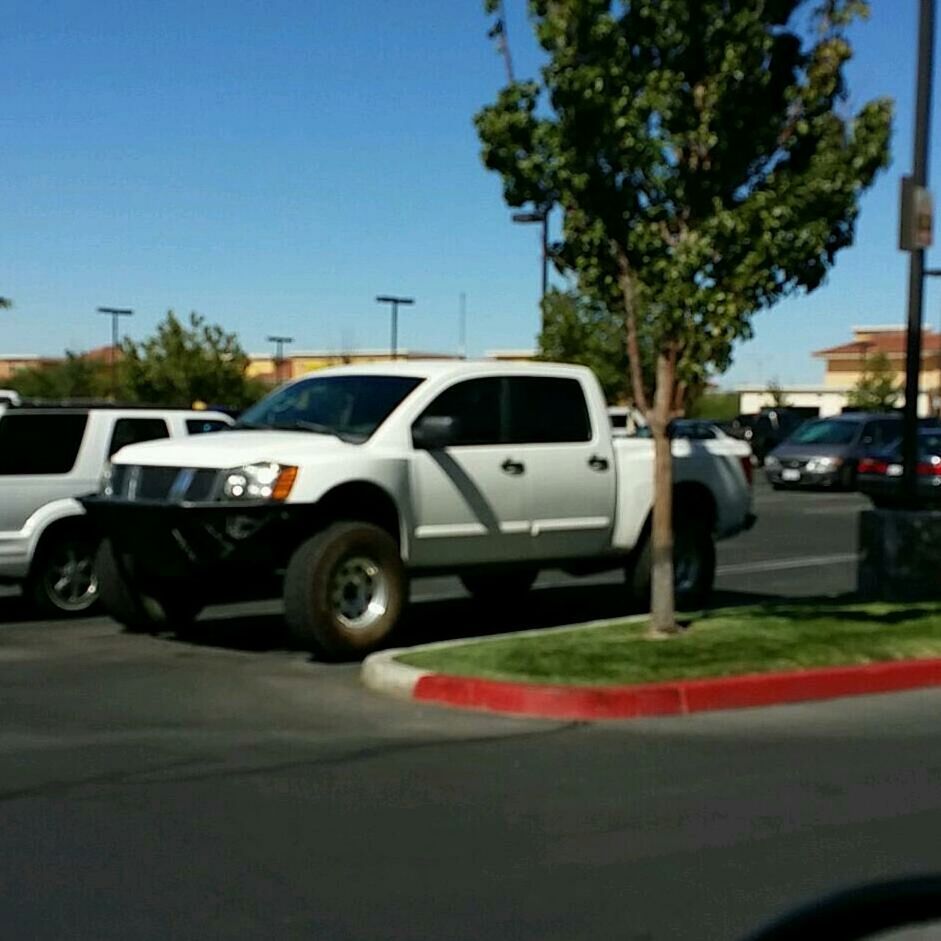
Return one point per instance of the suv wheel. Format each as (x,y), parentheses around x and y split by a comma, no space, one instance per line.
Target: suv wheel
(62,579)
(344,590)
(140,611)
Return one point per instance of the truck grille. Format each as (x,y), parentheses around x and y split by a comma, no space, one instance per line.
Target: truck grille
(169,484)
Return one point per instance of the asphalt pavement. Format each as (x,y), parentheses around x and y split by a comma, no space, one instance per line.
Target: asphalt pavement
(229,787)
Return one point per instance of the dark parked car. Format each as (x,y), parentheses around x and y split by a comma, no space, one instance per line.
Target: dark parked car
(880,476)
(693,429)
(766,430)
(826,452)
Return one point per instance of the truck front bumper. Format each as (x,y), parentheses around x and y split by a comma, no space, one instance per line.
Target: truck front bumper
(202,540)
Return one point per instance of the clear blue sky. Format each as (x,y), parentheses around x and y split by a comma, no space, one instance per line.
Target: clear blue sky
(275,165)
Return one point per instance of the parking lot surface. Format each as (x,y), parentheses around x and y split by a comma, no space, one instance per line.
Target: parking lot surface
(230,787)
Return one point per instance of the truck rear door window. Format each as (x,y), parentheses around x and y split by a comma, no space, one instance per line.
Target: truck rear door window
(40,444)
(134,430)
(547,409)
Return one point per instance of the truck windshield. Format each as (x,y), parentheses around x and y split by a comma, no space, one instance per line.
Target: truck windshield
(350,407)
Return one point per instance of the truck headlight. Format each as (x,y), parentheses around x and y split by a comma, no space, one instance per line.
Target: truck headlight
(265,481)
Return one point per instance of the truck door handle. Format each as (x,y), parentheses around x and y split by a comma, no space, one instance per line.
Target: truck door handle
(514,468)
(598,463)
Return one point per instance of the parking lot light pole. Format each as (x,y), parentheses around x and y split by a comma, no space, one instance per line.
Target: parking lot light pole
(279,344)
(916,262)
(541,216)
(394,303)
(114,313)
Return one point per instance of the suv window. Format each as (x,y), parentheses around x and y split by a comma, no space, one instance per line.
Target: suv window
(40,444)
(134,430)
(547,409)
(202,426)
(475,403)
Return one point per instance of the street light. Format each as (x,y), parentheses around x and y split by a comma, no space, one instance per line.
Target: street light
(114,313)
(394,302)
(541,216)
(279,343)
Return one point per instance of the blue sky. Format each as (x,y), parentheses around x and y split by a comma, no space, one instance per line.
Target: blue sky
(275,165)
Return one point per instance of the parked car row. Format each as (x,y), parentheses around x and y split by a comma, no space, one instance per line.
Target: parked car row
(826,452)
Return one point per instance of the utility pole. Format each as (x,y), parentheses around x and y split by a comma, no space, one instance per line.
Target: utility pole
(114,313)
(915,206)
(279,343)
(394,302)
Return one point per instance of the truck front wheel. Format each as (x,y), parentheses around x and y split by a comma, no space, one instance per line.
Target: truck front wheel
(141,611)
(344,590)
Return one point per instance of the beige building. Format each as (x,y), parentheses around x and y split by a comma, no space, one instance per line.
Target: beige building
(846,363)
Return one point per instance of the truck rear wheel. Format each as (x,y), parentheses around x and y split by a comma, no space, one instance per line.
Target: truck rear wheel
(496,586)
(694,567)
(344,590)
(140,611)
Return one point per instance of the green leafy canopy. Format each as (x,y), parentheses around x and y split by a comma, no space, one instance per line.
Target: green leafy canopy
(877,389)
(183,363)
(700,154)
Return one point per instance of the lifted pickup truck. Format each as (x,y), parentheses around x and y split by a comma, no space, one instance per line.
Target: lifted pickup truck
(340,486)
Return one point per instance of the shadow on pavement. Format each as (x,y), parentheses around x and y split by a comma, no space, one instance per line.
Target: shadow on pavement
(451,619)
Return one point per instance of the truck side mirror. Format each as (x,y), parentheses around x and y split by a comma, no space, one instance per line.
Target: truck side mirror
(434,432)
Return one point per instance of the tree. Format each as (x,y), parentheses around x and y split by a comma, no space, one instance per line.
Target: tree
(777,393)
(73,378)
(704,168)
(876,390)
(186,363)
(579,330)
(5,303)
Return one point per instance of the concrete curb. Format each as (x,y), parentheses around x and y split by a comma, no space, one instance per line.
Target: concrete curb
(383,672)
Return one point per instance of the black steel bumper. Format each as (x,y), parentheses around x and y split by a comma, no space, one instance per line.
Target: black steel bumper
(196,540)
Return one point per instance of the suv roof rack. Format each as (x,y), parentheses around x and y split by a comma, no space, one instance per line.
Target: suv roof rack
(96,404)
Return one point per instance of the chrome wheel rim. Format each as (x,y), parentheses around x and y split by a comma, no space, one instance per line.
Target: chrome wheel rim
(359,593)
(70,579)
(685,566)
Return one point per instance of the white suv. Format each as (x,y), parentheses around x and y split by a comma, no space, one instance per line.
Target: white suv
(49,456)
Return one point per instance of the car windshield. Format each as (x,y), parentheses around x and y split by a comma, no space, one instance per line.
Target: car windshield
(826,431)
(350,407)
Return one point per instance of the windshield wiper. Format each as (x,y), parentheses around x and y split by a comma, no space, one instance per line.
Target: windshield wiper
(299,424)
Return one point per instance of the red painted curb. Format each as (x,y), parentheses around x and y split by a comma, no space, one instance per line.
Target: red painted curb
(678,697)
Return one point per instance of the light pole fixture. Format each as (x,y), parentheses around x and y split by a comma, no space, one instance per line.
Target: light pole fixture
(394,302)
(279,344)
(541,216)
(114,313)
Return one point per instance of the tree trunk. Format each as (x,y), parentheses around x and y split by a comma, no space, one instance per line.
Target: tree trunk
(666,398)
(662,606)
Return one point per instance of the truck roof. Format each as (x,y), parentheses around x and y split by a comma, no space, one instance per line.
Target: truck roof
(431,368)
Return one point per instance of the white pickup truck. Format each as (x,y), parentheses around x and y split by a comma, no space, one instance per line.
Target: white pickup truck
(341,485)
